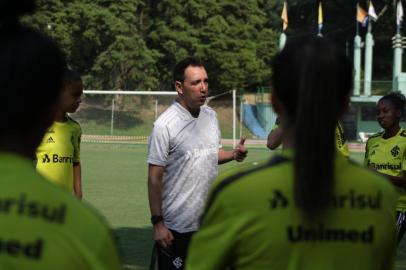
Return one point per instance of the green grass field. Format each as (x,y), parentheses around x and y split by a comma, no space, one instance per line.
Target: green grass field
(115,183)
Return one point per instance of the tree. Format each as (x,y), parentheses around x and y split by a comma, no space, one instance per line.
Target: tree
(230,37)
(101,41)
(134,44)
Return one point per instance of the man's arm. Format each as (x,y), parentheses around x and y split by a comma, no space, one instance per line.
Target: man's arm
(239,153)
(77,180)
(274,138)
(161,234)
(77,168)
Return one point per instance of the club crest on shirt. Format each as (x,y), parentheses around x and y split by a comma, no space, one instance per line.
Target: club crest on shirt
(395,151)
(178,262)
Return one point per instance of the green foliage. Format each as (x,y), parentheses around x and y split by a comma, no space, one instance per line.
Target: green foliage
(125,65)
(230,36)
(134,44)
(102,41)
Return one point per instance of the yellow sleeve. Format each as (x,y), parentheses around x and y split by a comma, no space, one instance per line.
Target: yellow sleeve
(216,237)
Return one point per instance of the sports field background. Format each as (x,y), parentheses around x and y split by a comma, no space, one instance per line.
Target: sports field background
(115,183)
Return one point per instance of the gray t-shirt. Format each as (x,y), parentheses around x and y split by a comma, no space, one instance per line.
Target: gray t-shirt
(188,147)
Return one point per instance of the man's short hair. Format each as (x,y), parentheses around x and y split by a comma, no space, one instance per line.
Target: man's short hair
(179,70)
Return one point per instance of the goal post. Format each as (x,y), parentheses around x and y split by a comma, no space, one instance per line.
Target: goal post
(128,116)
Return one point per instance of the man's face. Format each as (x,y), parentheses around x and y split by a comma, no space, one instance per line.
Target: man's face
(194,89)
(71,97)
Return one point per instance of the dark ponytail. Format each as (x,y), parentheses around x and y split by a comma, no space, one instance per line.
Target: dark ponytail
(312,79)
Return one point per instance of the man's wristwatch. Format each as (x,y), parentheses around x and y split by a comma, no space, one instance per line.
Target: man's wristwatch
(155,219)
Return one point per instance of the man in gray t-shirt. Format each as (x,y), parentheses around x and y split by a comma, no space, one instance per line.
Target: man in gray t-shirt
(183,155)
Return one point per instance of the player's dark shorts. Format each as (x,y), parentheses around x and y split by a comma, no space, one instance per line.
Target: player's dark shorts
(173,257)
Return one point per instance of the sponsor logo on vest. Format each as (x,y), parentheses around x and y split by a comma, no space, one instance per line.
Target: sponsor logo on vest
(50,140)
(61,159)
(350,199)
(385,166)
(33,209)
(321,234)
(57,159)
(16,248)
(354,200)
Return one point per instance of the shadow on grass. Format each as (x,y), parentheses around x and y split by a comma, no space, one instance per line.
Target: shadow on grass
(135,245)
